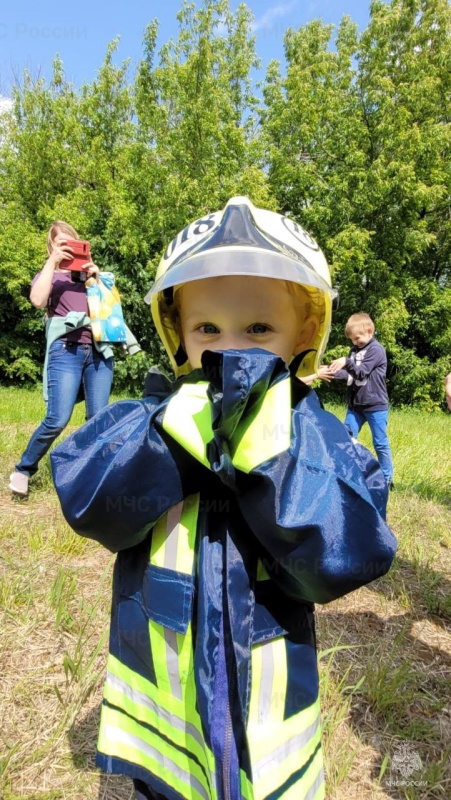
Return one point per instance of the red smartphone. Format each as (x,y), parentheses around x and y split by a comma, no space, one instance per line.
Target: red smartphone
(82,256)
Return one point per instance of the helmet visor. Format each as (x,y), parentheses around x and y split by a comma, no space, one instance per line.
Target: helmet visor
(240,261)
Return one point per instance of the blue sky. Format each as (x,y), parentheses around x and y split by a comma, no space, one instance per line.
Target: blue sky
(32,33)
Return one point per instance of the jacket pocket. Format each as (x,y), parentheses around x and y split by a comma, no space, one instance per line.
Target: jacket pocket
(167,597)
(267,622)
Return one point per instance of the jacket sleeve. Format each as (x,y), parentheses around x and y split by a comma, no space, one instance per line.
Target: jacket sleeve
(115,476)
(341,375)
(314,501)
(318,510)
(374,358)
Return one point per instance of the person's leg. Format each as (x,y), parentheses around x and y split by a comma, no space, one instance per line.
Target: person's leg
(378,420)
(353,422)
(97,380)
(64,372)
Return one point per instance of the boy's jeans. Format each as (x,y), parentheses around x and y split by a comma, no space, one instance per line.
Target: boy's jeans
(70,365)
(377,420)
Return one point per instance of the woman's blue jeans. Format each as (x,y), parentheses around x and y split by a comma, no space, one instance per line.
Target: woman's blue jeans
(70,367)
(378,421)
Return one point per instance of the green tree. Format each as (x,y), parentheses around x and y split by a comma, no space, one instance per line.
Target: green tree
(198,114)
(129,163)
(352,138)
(358,143)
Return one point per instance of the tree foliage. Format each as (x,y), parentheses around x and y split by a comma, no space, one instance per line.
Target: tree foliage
(351,137)
(358,140)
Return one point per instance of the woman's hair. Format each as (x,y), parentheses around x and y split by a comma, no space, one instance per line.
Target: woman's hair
(360,322)
(60,226)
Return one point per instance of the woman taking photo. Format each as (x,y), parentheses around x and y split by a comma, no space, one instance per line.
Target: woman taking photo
(73,363)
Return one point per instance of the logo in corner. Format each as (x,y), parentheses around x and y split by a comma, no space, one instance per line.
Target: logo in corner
(406,761)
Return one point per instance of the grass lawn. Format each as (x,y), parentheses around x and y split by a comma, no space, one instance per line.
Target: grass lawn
(385,650)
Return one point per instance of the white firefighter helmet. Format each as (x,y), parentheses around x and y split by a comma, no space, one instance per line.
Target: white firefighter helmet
(242,240)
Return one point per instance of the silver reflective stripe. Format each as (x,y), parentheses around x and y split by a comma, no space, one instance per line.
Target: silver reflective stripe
(279,754)
(266,683)
(172,662)
(316,785)
(118,735)
(143,700)
(173,529)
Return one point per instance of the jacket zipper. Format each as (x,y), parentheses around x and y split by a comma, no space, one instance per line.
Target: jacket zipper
(227,755)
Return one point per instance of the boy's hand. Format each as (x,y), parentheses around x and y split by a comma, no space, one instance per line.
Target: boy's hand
(337,364)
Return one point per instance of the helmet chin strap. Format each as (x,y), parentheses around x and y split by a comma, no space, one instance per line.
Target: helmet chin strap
(180,356)
(298,359)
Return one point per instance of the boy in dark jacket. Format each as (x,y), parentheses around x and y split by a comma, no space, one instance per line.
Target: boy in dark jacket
(365,369)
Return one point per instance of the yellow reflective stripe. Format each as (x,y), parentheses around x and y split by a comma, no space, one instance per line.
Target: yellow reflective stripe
(172,655)
(158,542)
(314,791)
(188,419)
(172,547)
(280,772)
(174,537)
(279,686)
(317,790)
(268,433)
(261,435)
(247,790)
(275,759)
(262,574)
(269,682)
(123,738)
(175,720)
(187,534)
(263,747)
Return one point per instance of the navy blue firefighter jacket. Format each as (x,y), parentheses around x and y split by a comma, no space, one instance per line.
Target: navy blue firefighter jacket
(280,486)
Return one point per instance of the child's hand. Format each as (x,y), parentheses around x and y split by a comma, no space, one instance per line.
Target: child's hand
(337,364)
(324,373)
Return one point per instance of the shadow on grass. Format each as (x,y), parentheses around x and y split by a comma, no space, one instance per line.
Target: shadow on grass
(83,742)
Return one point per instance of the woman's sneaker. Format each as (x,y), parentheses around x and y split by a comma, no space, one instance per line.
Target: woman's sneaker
(18,483)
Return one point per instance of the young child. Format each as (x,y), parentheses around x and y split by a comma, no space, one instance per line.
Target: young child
(365,369)
(235,502)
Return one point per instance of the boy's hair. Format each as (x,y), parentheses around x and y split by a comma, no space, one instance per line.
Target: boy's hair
(361,321)
(64,227)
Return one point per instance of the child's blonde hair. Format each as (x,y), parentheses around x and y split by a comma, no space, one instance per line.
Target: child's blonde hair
(361,322)
(55,228)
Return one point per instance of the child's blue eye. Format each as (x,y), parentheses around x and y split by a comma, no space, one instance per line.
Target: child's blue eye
(209,328)
(259,327)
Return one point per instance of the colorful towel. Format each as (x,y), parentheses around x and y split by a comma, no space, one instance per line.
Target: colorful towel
(105,310)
